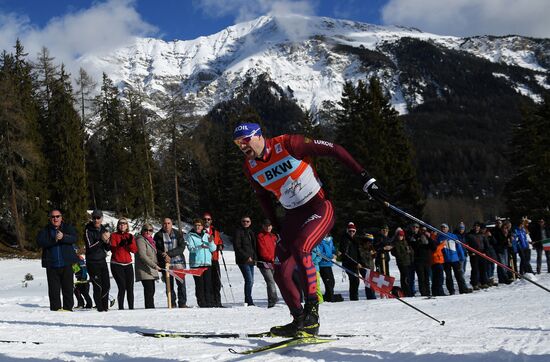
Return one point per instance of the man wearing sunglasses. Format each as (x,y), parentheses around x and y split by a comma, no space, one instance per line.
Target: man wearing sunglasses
(282,166)
(57,241)
(97,239)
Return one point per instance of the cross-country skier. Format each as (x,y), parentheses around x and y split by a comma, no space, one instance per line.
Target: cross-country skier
(282,166)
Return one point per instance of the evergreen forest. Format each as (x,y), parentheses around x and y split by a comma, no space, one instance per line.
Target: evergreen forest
(74,143)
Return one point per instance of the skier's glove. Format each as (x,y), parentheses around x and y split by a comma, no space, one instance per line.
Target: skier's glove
(373,189)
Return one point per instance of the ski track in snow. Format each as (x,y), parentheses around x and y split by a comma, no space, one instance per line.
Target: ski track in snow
(504,323)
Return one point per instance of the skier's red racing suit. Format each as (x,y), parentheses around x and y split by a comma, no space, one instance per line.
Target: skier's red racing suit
(285,169)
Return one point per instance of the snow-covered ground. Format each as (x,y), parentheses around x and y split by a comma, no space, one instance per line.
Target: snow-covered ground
(504,323)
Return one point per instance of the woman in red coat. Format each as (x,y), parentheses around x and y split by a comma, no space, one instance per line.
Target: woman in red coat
(265,246)
(122,245)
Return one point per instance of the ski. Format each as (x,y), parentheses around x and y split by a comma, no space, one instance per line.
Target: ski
(23,342)
(203,335)
(232,335)
(287,343)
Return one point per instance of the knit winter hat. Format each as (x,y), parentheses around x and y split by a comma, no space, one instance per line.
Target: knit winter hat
(401,233)
(97,213)
(351,226)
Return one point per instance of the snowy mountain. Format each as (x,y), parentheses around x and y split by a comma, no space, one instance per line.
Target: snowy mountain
(311,58)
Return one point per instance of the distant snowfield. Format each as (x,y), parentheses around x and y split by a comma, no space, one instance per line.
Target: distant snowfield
(504,323)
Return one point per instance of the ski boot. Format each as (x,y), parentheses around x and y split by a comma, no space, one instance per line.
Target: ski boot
(310,325)
(290,329)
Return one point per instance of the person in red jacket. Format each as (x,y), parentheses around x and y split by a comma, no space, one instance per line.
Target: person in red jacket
(265,246)
(216,272)
(122,245)
(282,166)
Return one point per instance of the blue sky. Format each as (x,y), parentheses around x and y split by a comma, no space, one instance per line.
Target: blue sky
(188,19)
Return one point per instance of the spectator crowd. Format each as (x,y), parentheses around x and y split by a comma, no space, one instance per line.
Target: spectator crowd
(429,263)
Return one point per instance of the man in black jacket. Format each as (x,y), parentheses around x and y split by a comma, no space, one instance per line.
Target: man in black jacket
(351,259)
(476,239)
(170,248)
(540,232)
(97,239)
(57,241)
(383,246)
(422,246)
(245,255)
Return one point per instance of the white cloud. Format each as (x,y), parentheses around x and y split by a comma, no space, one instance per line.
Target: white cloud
(244,10)
(472,17)
(100,28)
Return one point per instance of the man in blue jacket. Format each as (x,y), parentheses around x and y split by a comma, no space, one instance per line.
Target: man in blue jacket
(327,249)
(453,255)
(57,241)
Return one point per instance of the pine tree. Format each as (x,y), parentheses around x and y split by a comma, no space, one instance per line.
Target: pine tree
(178,186)
(370,129)
(106,151)
(139,177)
(20,156)
(66,176)
(528,190)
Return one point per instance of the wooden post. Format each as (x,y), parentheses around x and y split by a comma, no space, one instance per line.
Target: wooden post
(168,289)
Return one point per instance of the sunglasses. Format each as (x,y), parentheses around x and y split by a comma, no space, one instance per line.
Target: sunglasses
(207,219)
(245,140)
(55,216)
(97,217)
(150,230)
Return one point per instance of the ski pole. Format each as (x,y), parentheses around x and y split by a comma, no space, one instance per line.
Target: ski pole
(227,275)
(473,250)
(442,323)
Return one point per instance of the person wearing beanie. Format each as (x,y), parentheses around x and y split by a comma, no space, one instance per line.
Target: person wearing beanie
(327,249)
(460,233)
(201,246)
(97,241)
(351,259)
(282,167)
(476,239)
(453,255)
(403,256)
(419,240)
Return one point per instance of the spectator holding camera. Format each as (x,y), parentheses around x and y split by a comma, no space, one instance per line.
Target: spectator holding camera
(123,246)
(57,241)
(97,239)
